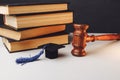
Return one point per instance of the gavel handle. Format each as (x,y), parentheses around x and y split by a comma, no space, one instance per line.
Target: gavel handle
(103,37)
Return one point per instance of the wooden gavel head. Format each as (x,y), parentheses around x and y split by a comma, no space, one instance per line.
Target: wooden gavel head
(79,39)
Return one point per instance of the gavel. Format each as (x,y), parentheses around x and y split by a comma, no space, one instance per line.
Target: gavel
(80,38)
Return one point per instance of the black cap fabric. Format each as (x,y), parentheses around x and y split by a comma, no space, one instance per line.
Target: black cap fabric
(51,51)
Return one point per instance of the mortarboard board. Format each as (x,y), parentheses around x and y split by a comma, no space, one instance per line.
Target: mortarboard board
(51,51)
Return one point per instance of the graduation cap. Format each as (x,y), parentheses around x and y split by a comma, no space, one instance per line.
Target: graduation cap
(51,51)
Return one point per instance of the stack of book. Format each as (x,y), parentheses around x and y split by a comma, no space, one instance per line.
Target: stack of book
(28,26)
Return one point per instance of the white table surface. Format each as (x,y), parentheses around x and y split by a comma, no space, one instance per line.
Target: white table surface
(102,62)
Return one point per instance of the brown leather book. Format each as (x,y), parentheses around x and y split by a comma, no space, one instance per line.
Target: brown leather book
(10,33)
(15,46)
(10,9)
(36,20)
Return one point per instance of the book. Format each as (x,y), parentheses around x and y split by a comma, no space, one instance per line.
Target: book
(36,20)
(7,32)
(15,46)
(10,9)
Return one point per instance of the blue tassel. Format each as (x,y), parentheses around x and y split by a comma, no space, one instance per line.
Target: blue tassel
(30,59)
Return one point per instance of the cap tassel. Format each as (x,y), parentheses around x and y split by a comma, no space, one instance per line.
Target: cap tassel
(24,60)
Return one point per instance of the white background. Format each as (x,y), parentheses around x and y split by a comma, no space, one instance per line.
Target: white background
(102,62)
